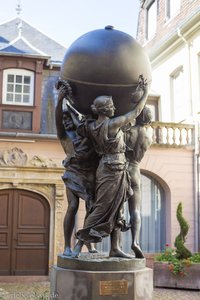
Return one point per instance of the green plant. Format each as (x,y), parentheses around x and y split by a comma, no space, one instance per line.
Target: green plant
(181,251)
(175,265)
(180,257)
(195,258)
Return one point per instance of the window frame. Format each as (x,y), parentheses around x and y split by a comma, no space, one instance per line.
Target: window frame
(170,14)
(18,72)
(177,74)
(148,6)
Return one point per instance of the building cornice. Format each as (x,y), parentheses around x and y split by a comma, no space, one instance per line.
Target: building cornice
(173,40)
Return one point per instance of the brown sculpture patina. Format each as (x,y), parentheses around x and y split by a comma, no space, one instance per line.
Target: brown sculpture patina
(104,92)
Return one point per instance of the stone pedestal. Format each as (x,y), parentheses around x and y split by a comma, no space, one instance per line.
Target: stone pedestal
(123,279)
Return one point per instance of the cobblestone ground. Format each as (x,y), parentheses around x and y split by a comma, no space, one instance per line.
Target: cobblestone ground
(41,291)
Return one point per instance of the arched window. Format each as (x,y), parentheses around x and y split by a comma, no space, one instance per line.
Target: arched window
(153,223)
(153,212)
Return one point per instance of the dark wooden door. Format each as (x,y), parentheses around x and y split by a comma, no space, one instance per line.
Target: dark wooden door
(24,233)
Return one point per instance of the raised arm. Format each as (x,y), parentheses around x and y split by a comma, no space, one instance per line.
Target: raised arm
(118,122)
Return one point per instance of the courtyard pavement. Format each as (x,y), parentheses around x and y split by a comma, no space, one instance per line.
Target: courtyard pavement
(41,291)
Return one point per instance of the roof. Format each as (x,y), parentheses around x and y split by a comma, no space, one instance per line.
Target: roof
(27,40)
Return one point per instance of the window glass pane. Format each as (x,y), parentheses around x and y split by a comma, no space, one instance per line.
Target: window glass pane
(10,78)
(153,228)
(27,79)
(18,79)
(17,120)
(26,89)
(18,98)
(153,111)
(19,83)
(10,87)
(18,88)
(181,107)
(151,20)
(9,97)
(174,6)
(26,98)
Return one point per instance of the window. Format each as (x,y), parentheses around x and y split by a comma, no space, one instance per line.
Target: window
(18,87)
(173,7)
(152,104)
(153,213)
(151,20)
(179,102)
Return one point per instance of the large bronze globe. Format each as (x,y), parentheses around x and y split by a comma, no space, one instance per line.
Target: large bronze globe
(105,62)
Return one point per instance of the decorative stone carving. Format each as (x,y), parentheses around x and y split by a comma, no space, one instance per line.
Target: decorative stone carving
(13,157)
(17,157)
(39,161)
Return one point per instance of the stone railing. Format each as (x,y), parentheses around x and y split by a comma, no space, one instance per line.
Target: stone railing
(172,134)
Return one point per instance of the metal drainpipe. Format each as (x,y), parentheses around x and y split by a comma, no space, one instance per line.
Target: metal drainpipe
(196,188)
(196,154)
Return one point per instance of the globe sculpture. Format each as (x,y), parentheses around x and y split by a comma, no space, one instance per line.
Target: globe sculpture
(105,62)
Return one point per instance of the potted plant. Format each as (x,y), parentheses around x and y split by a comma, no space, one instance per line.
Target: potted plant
(178,267)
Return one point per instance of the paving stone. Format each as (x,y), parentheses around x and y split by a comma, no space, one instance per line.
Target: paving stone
(41,291)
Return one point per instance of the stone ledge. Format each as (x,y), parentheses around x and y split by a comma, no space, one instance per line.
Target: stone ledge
(100,262)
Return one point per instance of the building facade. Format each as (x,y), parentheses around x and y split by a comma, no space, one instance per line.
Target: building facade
(170,32)
(32,195)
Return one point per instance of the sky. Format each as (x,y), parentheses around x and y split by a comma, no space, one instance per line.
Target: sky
(66,20)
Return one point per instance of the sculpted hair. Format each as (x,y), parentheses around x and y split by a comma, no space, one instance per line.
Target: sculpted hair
(99,104)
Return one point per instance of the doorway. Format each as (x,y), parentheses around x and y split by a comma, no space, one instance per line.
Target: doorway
(24,233)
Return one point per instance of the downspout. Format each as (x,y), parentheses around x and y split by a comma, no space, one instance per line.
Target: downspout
(197,166)
(196,152)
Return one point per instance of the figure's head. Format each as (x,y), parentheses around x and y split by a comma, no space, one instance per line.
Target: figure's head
(145,117)
(103,105)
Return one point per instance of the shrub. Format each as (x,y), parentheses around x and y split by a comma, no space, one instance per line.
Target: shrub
(181,251)
(179,257)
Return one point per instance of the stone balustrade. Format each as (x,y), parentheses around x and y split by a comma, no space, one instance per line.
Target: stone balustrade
(172,134)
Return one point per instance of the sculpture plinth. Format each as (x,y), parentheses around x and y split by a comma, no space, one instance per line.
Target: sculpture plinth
(96,277)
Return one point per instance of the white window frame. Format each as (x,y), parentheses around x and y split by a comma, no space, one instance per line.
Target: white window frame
(151,19)
(20,94)
(179,101)
(173,8)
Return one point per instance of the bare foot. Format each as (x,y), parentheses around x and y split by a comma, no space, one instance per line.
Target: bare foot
(120,253)
(91,248)
(137,251)
(67,251)
(77,249)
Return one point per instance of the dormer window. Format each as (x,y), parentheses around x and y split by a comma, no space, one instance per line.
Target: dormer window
(18,87)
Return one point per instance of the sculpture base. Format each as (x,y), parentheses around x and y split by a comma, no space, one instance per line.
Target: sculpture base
(135,284)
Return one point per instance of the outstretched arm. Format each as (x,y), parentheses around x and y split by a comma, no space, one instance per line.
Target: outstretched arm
(75,115)
(118,122)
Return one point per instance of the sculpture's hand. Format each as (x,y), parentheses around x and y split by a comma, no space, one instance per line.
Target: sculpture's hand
(64,88)
(142,83)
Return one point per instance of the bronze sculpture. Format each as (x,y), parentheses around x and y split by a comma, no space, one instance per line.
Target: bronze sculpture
(105,62)
(80,167)
(138,140)
(112,181)
(104,65)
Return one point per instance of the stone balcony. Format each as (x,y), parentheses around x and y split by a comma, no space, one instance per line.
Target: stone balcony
(172,134)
